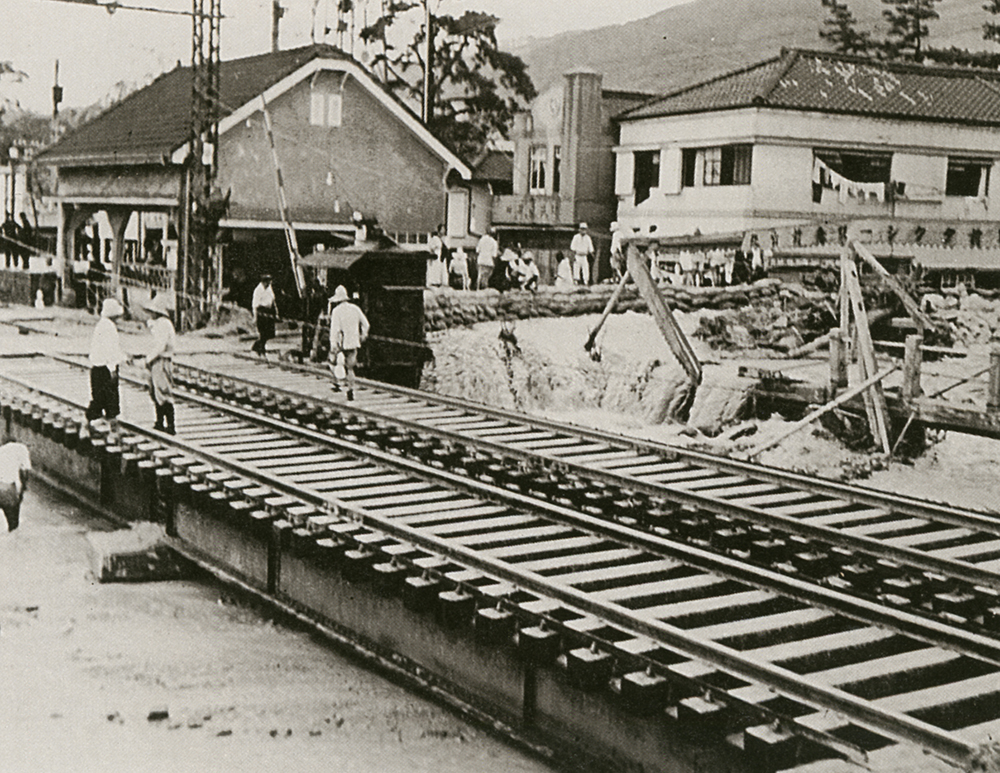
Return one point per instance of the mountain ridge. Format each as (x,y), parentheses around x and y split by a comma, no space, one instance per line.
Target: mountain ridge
(686,44)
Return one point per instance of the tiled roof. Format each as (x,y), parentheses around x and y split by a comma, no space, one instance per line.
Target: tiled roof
(495,165)
(835,83)
(147,126)
(619,101)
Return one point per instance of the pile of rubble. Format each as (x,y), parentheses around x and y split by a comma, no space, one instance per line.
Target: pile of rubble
(784,322)
(973,318)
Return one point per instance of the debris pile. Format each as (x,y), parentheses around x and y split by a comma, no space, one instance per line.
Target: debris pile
(788,321)
(973,318)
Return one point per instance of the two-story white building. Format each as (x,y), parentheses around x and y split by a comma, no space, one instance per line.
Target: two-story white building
(815,147)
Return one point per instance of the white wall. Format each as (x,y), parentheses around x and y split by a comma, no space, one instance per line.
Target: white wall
(781,184)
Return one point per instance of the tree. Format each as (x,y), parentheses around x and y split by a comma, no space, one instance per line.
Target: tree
(908,27)
(991,30)
(474,88)
(840,30)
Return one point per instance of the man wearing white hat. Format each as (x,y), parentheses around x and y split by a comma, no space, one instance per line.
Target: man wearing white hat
(583,249)
(105,356)
(348,330)
(160,362)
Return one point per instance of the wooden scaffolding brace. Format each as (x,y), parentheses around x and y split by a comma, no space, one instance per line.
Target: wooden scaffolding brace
(852,304)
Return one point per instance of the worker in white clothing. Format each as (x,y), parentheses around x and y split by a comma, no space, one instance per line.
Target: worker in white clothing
(617,252)
(348,330)
(265,313)
(583,250)
(487,251)
(160,362)
(15,464)
(105,356)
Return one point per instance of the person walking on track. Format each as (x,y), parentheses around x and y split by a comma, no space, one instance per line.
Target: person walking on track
(105,356)
(160,362)
(265,312)
(348,330)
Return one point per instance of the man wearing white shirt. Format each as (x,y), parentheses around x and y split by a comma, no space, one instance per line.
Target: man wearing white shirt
(265,312)
(583,249)
(105,356)
(348,330)
(487,251)
(15,464)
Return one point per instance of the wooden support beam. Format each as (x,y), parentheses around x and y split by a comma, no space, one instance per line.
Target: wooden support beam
(661,313)
(911,306)
(993,399)
(850,394)
(866,352)
(912,360)
(608,308)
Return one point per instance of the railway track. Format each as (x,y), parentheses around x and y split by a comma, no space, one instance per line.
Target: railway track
(743,642)
(928,558)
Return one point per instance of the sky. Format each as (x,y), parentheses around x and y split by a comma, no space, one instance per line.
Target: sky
(97,50)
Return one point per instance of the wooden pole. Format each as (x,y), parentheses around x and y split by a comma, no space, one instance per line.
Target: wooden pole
(607,311)
(993,402)
(866,352)
(911,306)
(912,357)
(805,422)
(838,360)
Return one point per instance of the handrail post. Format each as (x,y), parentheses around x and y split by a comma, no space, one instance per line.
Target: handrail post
(912,360)
(993,402)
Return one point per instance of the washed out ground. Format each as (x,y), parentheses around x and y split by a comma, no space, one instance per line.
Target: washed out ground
(549,372)
(83,666)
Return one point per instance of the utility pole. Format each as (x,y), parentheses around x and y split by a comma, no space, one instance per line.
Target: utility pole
(199,267)
(199,264)
(427,103)
(276,13)
(57,94)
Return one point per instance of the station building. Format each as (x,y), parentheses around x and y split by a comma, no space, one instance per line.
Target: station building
(343,143)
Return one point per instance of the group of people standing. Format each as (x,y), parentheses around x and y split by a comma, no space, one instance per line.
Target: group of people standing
(18,241)
(510,268)
(106,356)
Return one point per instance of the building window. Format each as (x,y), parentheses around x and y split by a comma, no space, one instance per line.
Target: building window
(556,167)
(536,167)
(325,107)
(857,166)
(968,177)
(646,173)
(721,165)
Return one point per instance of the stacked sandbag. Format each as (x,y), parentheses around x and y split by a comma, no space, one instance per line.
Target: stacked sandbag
(445,308)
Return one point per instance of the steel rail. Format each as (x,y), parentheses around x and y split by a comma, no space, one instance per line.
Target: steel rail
(916,626)
(694,501)
(900,503)
(894,725)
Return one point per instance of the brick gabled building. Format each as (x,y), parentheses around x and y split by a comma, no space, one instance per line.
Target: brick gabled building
(343,142)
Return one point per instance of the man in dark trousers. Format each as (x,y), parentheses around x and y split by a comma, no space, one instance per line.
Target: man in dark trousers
(105,356)
(265,312)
